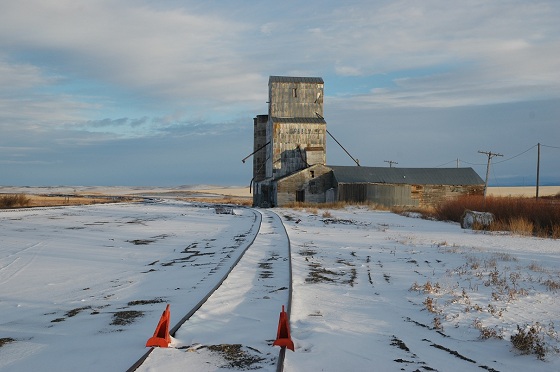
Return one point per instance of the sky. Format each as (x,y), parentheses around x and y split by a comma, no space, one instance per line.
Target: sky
(163,93)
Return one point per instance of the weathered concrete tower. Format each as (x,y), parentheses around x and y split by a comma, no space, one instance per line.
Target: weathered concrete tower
(259,144)
(291,138)
(296,128)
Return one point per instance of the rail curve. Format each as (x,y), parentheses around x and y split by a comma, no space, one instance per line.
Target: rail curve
(266,261)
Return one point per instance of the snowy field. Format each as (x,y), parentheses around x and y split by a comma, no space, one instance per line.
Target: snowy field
(82,288)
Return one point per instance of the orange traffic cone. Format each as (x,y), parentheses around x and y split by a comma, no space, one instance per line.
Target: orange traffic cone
(161,337)
(283,338)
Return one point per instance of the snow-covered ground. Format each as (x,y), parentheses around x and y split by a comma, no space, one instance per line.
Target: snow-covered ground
(83,288)
(371,290)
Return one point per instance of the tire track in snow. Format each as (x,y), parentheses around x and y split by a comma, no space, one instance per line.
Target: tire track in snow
(19,263)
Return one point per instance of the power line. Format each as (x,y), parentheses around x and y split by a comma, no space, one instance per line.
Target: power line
(498,162)
(513,157)
(449,162)
(466,162)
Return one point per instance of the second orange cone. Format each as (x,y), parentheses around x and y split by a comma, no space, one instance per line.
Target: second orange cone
(161,337)
(283,338)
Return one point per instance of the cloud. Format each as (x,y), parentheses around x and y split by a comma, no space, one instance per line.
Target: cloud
(173,53)
(93,76)
(501,51)
(17,77)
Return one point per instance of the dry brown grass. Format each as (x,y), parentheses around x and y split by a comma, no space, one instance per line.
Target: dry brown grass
(521,226)
(14,201)
(526,216)
(335,205)
(222,200)
(326,214)
(306,205)
(426,212)
(24,201)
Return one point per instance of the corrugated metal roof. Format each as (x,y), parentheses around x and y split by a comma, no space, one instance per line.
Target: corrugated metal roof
(416,176)
(299,120)
(295,79)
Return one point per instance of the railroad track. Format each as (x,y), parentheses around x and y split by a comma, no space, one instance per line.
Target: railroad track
(240,313)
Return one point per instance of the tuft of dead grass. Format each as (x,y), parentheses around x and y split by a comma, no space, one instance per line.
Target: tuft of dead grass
(521,226)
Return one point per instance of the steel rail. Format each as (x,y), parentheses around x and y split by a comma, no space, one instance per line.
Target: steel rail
(282,352)
(138,363)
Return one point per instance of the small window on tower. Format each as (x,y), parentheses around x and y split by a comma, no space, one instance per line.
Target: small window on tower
(294,92)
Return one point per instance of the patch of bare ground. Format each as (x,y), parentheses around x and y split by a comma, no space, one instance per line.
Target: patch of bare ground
(122,318)
(237,356)
(146,302)
(6,340)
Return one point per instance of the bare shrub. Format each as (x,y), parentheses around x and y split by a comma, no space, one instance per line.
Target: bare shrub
(552,285)
(426,288)
(533,266)
(437,323)
(488,332)
(430,305)
(327,214)
(503,256)
(529,339)
(14,201)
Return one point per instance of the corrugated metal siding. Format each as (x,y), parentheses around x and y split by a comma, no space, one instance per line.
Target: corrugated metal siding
(387,195)
(417,176)
(402,195)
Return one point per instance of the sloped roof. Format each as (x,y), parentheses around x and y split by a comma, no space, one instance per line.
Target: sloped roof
(298,120)
(416,176)
(295,79)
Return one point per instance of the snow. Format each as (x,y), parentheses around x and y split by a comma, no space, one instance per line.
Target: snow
(364,283)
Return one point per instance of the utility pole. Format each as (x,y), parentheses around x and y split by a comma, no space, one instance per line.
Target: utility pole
(391,162)
(490,156)
(538,167)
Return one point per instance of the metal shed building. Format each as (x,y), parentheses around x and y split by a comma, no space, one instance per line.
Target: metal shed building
(403,186)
